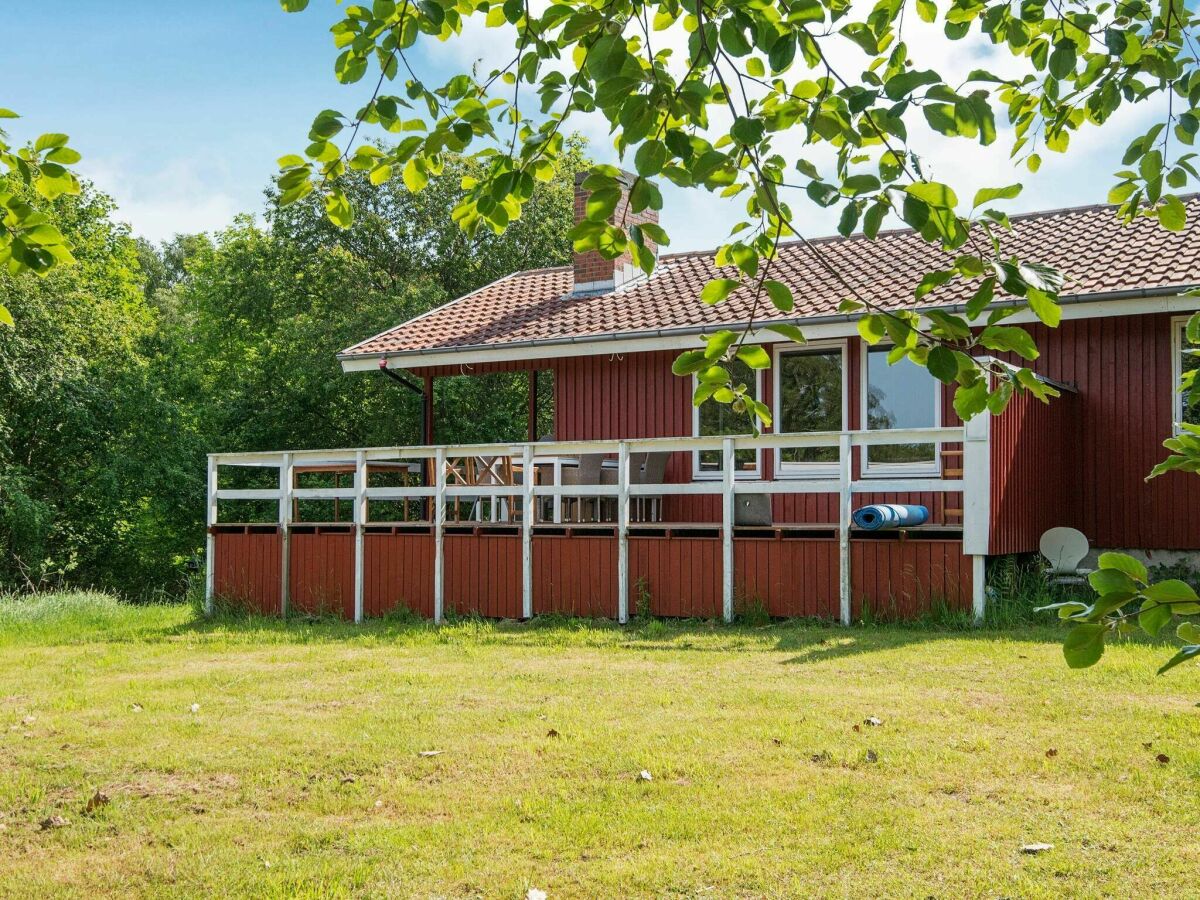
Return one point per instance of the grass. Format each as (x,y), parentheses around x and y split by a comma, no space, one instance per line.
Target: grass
(300,774)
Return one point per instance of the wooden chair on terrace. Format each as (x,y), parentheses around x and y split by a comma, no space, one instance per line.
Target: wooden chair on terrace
(497,471)
(589,472)
(652,471)
(461,471)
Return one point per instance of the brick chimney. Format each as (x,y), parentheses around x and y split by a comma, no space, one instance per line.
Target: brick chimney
(593,273)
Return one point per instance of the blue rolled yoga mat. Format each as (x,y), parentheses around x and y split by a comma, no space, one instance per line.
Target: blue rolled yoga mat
(889,515)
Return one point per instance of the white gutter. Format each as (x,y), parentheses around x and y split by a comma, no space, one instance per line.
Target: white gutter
(1137,301)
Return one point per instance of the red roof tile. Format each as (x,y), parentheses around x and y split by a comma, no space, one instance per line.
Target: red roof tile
(1097,254)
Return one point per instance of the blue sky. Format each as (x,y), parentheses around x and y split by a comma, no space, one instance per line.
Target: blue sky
(181,109)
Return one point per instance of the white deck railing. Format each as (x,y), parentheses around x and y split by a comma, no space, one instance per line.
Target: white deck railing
(974,485)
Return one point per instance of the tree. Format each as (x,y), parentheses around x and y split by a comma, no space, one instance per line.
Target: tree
(748,77)
(29,240)
(818,101)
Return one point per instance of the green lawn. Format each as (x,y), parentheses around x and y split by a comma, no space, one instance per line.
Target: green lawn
(301,772)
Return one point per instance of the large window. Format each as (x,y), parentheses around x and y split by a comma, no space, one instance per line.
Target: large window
(714,419)
(903,395)
(1184,360)
(810,396)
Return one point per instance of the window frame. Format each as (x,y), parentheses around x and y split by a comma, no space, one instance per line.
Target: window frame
(1178,344)
(699,474)
(783,469)
(885,470)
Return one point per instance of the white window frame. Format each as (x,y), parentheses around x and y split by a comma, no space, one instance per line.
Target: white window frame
(883,470)
(699,474)
(1178,329)
(784,469)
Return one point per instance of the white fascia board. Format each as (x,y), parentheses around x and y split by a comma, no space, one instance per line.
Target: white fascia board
(682,339)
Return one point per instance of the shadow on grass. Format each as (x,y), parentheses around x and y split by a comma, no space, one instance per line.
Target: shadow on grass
(811,641)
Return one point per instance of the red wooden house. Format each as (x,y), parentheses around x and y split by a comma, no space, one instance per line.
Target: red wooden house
(730,518)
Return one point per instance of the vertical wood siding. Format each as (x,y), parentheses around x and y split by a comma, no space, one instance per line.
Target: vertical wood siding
(321,567)
(247,567)
(483,574)
(1122,370)
(575,575)
(397,571)
(790,576)
(902,579)
(681,575)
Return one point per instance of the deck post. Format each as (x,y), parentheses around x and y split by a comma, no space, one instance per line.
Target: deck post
(286,483)
(210,539)
(360,529)
(528,512)
(439,530)
(727,509)
(845,510)
(622,532)
(977,505)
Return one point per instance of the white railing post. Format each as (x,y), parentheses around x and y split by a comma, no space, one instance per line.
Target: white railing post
(360,529)
(439,530)
(528,512)
(977,505)
(622,532)
(727,497)
(210,540)
(286,475)
(845,510)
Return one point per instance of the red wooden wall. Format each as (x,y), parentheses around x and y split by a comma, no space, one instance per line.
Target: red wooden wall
(1121,367)
(397,572)
(247,568)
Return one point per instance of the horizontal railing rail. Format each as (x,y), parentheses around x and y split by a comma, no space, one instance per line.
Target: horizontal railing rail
(833,477)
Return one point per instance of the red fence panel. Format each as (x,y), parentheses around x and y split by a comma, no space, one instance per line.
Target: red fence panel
(903,579)
(247,568)
(575,575)
(483,574)
(321,566)
(679,576)
(789,576)
(397,572)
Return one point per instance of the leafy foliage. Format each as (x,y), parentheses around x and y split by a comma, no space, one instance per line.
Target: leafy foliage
(753,100)
(1127,600)
(29,240)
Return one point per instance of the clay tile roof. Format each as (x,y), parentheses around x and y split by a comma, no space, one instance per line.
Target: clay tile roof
(1097,253)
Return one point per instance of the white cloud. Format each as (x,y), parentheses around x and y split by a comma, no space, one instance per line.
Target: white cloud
(180,196)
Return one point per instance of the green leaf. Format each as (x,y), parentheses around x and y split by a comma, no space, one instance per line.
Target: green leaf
(1044,307)
(982,297)
(650,158)
(1152,617)
(49,142)
(602,203)
(987,195)
(791,332)
(927,10)
(6,317)
(1084,645)
(338,209)
(1188,632)
(780,294)
(414,175)
(942,364)
(1005,338)
(718,289)
(1124,563)
(755,357)
(1111,581)
(934,193)
(1171,214)
(1185,653)
(716,344)
(1171,590)
(689,362)
(293,5)
(748,131)
(970,400)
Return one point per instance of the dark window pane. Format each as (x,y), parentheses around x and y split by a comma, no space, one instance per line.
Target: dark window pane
(900,396)
(719,419)
(810,399)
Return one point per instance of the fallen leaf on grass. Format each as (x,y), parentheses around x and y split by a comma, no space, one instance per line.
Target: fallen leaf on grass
(1147,745)
(1052,752)
(97,800)
(873,721)
(29,720)
(1163,758)
(858,729)
(778,742)
(195,707)
(552,733)
(1032,849)
(348,779)
(52,822)
(379,804)
(645,776)
(535,894)
(872,756)
(136,707)
(431,753)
